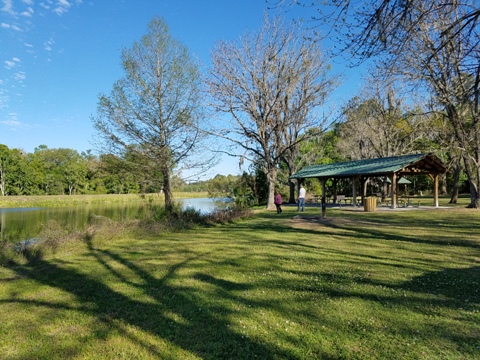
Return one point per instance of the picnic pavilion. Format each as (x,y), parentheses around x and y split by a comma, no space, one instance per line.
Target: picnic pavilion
(360,171)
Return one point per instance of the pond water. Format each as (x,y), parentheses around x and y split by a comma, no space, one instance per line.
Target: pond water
(21,224)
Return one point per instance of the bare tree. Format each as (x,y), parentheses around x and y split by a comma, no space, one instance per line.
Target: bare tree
(369,28)
(378,123)
(433,43)
(445,60)
(155,109)
(270,85)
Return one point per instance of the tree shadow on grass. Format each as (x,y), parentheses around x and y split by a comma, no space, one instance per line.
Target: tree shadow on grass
(451,289)
(459,287)
(375,230)
(197,326)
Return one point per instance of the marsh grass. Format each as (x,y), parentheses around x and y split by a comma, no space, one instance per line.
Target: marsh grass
(396,285)
(71,200)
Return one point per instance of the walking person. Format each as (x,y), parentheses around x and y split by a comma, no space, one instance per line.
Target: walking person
(278,202)
(301,198)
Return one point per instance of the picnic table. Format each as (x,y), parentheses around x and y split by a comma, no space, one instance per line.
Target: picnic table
(343,198)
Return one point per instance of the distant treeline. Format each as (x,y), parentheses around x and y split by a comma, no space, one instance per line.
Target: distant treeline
(66,171)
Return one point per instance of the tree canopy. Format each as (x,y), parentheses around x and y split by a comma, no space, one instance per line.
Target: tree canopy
(269,85)
(155,110)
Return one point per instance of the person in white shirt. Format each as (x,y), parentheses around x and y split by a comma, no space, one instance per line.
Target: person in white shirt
(301,198)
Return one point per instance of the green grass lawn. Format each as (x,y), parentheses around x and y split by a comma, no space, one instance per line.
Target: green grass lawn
(357,285)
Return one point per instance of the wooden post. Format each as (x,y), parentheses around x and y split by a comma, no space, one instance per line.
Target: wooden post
(335,182)
(435,190)
(324,206)
(363,182)
(393,191)
(298,190)
(354,191)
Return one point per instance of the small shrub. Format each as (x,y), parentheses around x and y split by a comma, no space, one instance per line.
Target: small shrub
(51,235)
(223,216)
(102,228)
(6,252)
(34,252)
(178,219)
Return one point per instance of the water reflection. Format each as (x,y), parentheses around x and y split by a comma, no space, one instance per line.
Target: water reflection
(205,205)
(25,223)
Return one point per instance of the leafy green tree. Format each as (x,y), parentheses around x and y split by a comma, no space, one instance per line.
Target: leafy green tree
(118,175)
(44,168)
(91,164)
(20,177)
(222,186)
(58,170)
(5,163)
(71,168)
(155,109)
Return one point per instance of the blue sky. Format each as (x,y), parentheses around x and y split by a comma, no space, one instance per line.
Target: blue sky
(58,55)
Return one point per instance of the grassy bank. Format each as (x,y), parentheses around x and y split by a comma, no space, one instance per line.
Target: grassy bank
(384,285)
(69,200)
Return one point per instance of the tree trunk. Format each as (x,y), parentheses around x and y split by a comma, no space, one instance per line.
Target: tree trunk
(167,191)
(291,197)
(443,184)
(290,162)
(2,183)
(2,179)
(272,178)
(474,200)
(457,169)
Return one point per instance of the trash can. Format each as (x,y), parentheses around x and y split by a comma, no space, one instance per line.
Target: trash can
(370,203)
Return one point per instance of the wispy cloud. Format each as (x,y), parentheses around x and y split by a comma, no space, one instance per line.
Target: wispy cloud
(46,5)
(8,26)
(14,124)
(17,125)
(8,7)
(28,12)
(10,64)
(48,45)
(12,120)
(4,97)
(20,76)
(61,7)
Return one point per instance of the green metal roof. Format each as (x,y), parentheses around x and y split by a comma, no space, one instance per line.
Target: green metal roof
(406,164)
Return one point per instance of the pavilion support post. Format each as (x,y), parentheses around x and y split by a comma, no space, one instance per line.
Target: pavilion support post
(324,206)
(364,182)
(385,189)
(435,190)
(300,181)
(393,190)
(354,191)
(335,182)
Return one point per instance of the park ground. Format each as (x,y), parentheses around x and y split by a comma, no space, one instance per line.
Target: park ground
(356,285)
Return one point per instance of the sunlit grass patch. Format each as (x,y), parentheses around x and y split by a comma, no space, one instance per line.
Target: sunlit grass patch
(355,286)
